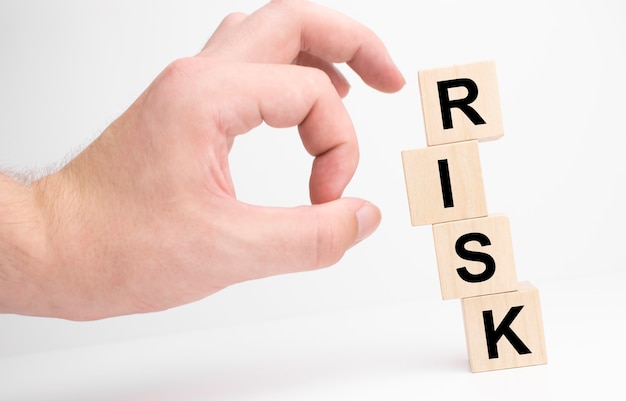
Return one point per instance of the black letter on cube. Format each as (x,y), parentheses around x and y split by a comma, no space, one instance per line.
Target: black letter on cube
(446,187)
(463,104)
(490,264)
(504,329)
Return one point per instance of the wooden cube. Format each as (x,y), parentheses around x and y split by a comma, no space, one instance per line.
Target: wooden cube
(444,183)
(504,330)
(475,257)
(461,103)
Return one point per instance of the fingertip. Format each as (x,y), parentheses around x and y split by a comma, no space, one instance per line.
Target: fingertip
(373,63)
(368,219)
(388,79)
(398,81)
(306,237)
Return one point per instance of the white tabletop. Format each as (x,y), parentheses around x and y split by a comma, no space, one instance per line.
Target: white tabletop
(409,351)
(558,172)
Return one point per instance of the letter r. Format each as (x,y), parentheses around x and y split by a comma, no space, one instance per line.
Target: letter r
(463,104)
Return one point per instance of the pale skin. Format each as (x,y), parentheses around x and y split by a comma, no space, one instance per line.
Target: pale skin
(146,217)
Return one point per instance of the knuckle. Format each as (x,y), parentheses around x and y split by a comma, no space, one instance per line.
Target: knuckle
(233,19)
(177,70)
(288,2)
(318,80)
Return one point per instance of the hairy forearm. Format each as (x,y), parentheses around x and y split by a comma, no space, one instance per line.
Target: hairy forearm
(23,254)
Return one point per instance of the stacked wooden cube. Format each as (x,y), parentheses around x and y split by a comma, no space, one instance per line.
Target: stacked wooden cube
(474,250)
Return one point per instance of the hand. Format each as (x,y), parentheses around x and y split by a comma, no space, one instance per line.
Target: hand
(146,217)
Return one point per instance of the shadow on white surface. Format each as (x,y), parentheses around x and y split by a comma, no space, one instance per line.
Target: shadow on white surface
(405,351)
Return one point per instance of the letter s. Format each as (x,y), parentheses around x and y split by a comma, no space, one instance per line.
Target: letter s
(490,264)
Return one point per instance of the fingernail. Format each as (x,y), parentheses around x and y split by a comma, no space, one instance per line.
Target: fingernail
(368,217)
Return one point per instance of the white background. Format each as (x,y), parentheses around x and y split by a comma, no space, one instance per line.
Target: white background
(70,67)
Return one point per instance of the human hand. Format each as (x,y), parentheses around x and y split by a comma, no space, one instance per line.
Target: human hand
(146,217)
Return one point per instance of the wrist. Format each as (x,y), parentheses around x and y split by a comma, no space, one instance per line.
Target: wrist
(24,256)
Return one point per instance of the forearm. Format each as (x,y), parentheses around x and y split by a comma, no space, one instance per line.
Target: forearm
(23,254)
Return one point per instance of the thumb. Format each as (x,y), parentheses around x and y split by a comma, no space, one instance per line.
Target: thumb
(285,240)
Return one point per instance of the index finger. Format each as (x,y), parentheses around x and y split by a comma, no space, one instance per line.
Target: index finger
(281,30)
